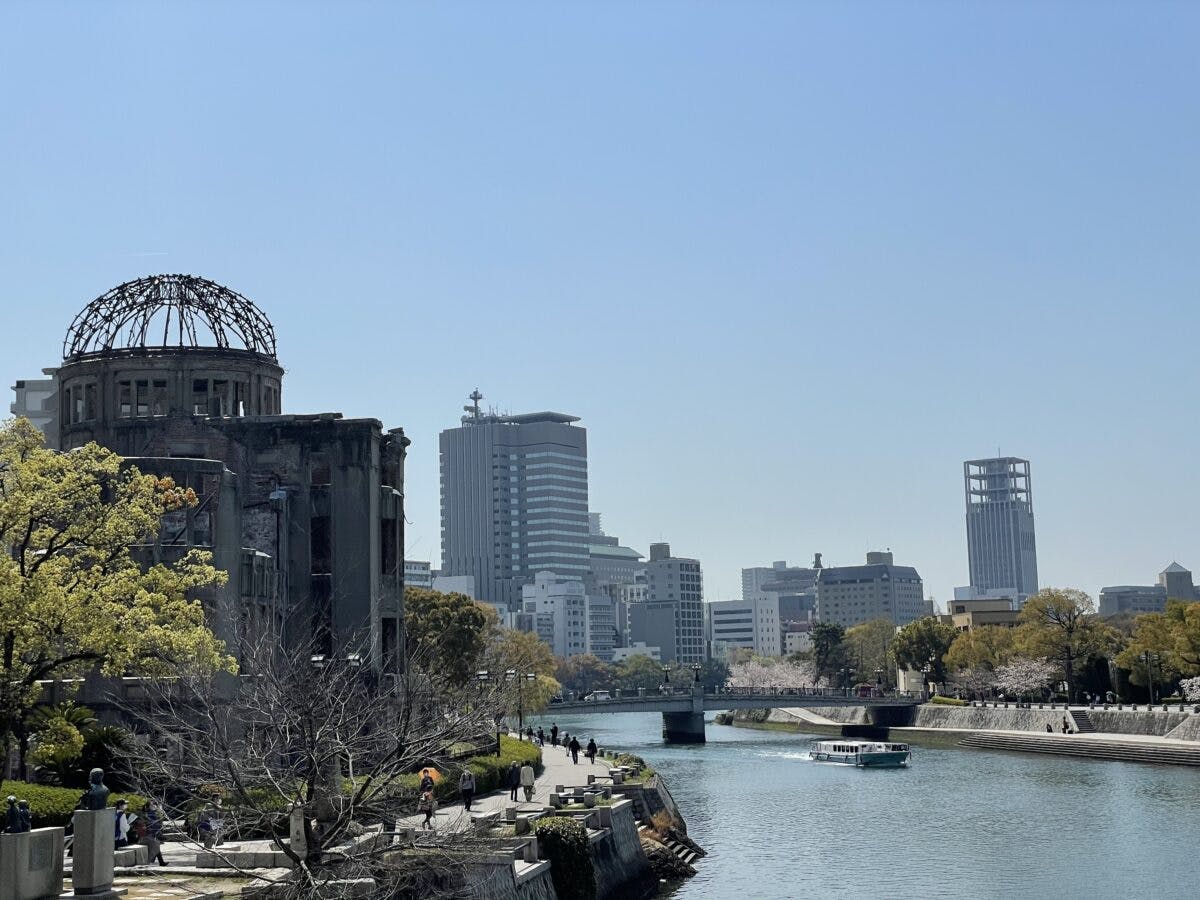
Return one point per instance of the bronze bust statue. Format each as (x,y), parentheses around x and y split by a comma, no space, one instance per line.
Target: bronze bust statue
(96,796)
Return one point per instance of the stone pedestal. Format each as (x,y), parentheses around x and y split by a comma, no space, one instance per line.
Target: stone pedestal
(92,872)
(296,832)
(31,864)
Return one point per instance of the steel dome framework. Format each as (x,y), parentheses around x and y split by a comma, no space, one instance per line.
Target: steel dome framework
(169,312)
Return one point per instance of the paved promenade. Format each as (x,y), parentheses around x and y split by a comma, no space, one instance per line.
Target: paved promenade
(558,770)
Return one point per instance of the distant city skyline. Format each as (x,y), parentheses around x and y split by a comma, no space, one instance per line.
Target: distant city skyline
(791,265)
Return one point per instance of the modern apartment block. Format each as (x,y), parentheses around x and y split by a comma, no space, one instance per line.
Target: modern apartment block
(418,573)
(559,608)
(850,595)
(1001,550)
(674,593)
(514,497)
(750,624)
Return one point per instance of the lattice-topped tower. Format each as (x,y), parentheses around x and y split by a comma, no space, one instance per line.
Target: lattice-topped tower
(159,347)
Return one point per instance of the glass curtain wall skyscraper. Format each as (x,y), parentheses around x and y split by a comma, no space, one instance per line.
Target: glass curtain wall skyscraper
(514,498)
(1001,548)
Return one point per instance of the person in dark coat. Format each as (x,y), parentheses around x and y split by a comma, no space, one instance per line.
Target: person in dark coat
(574,748)
(553,734)
(591,750)
(514,781)
(541,738)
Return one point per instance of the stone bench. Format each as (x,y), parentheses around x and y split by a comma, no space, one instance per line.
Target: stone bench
(132,855)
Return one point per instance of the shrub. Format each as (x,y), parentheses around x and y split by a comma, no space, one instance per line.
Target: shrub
(564,842)
(947,701)
(52,806)
(491,771)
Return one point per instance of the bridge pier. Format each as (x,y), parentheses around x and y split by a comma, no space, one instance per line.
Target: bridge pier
(683,727)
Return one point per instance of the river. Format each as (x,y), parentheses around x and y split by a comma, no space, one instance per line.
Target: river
(955,824)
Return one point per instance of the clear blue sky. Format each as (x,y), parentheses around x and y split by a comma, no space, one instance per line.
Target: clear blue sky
(792,263)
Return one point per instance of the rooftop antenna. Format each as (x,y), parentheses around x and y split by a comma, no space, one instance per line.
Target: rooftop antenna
(473,409)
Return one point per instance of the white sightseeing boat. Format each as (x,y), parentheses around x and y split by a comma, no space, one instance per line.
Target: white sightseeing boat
(853,752)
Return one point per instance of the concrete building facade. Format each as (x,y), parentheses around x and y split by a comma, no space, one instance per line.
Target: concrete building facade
(514,500)
(559,606)
(850,595)
(674,594)
(305,512)
(752,625)
(1001,547)
(36,399)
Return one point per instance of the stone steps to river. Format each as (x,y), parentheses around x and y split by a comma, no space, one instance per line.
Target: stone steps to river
(1083,725)
(677,849)
(1127,751)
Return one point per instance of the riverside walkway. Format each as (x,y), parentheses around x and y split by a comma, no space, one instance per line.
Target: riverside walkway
(557,769)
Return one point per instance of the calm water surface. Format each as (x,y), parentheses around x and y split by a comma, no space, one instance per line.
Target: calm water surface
(957,823)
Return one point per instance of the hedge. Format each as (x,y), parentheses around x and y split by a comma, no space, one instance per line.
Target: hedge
(491,771)
(947,701)
(52,806)
(564,842)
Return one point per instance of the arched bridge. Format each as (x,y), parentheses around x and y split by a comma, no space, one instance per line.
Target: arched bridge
(683,710)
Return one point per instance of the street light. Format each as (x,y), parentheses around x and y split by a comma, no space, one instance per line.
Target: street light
(879,677)
(927,668)
(482,677)
(666,686)
(1150,659)
(696,672)
(511,676)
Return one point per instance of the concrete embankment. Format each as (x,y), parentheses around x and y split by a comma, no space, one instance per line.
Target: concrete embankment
(1152,736)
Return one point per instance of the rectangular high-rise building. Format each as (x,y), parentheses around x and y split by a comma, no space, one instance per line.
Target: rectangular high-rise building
(1001,550)
(672,616)
(514,501)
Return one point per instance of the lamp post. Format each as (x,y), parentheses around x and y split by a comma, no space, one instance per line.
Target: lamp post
(879,679)
(482,677)
(927,669)
(666,686)
(696,673)
(510,676)
(1150,659)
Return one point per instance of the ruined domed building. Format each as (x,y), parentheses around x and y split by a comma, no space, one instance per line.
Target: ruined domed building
(305,512)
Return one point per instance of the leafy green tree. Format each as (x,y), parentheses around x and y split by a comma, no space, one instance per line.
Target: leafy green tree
(639,671)
(512,655)
(869,649)
(1061,625)
(1153,634)
(984,649)
(714,674)
(1184,618)
(585,672)
(828,649)
(447,633)
(73,595)
(925,642)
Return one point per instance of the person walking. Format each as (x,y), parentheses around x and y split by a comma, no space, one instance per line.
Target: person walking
(529,733)
(154,824)
(574,748)
(210,824)
(121,826)
(426,781)
(514,781)
(591,750)
(466,787)
(553,734)
(527,781)
(428,806)
(541,738)
(1064,725)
